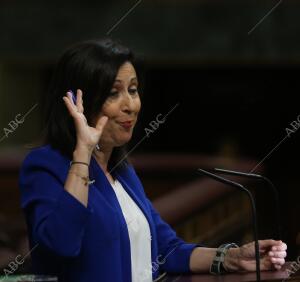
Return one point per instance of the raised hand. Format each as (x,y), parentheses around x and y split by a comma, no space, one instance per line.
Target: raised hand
(87,136)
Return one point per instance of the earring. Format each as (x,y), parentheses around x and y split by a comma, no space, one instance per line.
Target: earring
(97,147)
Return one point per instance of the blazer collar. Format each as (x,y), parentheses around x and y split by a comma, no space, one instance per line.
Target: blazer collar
(102,184)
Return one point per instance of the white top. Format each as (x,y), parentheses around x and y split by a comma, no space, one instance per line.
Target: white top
(139,235)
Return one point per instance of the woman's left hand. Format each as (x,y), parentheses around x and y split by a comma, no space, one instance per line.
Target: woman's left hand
(272,256)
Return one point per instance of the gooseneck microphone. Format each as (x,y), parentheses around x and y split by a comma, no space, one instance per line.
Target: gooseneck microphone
(254,218)
(269,183)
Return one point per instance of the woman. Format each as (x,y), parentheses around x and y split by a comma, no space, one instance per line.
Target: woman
(88,217)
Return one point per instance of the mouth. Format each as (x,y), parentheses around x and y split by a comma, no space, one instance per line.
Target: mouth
(126,124)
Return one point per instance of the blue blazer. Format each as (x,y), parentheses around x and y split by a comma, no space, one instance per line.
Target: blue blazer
(89,244)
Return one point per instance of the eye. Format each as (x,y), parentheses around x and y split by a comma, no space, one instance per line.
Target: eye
(133,91)
(113,93)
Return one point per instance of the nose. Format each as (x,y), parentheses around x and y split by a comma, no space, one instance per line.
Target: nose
(127,105)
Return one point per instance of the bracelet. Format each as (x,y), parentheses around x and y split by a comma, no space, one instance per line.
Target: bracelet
(217,266)
(74,162)
(85,178)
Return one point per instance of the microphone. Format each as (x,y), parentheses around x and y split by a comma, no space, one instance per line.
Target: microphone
(254,218)
(269,183)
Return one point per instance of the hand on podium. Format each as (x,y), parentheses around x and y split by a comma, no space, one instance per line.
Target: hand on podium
(272,256)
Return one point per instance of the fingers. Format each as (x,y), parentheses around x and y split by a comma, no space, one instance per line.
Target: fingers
(274,245)
(280,247)
(69,104)
(277,266)
(277,254)
(279,261)
(267,243)
(79,101)
(101,123)
(268,263)
(72,107)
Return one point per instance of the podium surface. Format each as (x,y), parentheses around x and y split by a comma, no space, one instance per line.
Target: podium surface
(276,275)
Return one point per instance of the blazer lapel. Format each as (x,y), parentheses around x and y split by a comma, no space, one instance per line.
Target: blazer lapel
(106,190)
(141,205)
(137,200)
(102,185)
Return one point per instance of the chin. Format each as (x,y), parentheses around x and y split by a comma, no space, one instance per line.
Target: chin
(122,141)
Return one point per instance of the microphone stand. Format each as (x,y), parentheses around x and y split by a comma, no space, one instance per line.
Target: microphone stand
(253,207)
(269,183)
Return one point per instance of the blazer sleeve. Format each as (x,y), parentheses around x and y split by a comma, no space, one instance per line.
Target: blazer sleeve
(174,253)
(56,219)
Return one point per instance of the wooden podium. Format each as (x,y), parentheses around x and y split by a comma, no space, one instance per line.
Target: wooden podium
(279,275)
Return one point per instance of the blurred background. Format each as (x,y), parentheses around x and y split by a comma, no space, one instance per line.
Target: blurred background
(224,72)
